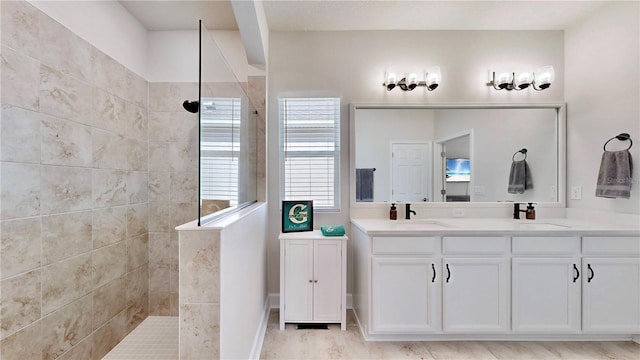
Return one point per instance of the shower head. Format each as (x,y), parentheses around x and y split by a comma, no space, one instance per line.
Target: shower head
(191,106)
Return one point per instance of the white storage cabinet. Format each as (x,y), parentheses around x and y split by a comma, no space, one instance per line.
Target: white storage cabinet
(312,278)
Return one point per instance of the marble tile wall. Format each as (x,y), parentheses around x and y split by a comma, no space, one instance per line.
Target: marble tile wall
(74,215)
(173,187)
(199,295)
(98,167)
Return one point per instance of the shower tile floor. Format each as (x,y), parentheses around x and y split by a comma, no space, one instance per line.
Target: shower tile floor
(156,338)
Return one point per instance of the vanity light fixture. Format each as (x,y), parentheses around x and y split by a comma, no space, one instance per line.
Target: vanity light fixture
(539,80)
(410,81)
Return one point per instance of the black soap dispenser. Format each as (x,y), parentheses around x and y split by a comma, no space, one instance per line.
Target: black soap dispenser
(393,212)
(531,212)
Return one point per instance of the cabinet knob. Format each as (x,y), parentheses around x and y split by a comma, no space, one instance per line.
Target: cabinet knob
(315,281)
(310,281)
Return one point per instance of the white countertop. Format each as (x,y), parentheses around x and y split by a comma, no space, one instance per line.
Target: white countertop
(470,226)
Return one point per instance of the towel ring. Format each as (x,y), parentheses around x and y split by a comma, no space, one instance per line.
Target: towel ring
(621,137)
(522,151)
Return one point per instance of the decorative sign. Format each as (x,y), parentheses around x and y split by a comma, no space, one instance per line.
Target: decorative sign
(297,215)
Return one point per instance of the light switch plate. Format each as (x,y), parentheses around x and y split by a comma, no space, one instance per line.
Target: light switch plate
(576,193)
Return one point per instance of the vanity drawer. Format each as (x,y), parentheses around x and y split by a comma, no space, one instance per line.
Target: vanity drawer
(475,245)
(611,245)
(545,245)
(405,245)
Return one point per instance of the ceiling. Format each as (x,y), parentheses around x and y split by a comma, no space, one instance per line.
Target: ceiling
(182,14)
(332,15)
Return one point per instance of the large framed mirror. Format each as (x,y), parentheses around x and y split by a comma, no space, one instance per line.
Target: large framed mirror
(441,154)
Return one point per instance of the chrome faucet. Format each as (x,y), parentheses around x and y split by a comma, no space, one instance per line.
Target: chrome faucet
(408,211)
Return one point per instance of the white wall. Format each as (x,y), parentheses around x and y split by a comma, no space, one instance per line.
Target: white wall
(243,285)
(351,65)
(173,56)
(105,24)
(602,92)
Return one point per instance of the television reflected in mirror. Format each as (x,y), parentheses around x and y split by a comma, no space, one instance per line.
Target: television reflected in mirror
(458,170)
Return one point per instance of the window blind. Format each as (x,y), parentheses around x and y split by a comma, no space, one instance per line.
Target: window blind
(219,148)
(310,150)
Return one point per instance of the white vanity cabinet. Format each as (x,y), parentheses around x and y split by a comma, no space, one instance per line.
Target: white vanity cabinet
(611,285)
(494,284)
(312,278)
(545,284)
(476,284)
(405,285)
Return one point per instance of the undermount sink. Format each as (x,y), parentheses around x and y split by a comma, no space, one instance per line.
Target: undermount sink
(539,226)
(419,224)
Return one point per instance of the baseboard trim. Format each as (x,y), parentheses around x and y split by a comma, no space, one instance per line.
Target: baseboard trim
(274,301)
(258,340)
(636,339)
(495,337)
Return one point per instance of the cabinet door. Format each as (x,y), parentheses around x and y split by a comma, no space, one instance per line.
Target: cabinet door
(476,295)
(405,295)
(545,294)
(298,279)
(327,285)
(611,295)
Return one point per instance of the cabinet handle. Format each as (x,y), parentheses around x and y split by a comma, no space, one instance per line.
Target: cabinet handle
(315,281)
(591,272)
(577,273)
(310,281)
(433,267)
(448,272)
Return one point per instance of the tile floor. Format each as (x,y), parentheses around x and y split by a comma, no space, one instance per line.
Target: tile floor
(335,344)
(156,338)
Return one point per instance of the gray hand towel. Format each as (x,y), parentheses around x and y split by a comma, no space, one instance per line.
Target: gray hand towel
(364,185)
(614,177)
(519,177)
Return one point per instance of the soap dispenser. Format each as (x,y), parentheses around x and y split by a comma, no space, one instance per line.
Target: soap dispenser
(531,212)
(393,212)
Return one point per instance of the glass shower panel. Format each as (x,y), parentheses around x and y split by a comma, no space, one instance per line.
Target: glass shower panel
(227,135)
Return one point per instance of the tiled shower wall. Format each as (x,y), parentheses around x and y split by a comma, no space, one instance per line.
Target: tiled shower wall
(91,190)
(74,201)
(173,187)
